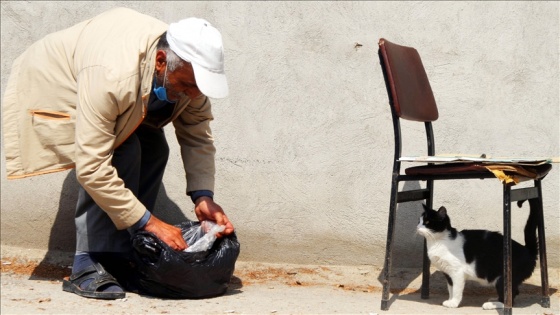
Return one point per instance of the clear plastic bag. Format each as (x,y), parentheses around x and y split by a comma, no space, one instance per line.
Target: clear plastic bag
(203,237)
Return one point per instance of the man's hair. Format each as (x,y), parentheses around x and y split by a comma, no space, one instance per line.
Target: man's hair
(173,61)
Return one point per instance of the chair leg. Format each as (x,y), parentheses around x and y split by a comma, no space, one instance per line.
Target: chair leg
(545,300)
(425,291)
(389,248)
(507,274)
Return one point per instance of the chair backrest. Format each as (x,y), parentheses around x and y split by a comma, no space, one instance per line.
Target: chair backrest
(408,87)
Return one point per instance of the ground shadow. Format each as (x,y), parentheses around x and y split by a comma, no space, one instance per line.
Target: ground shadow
(235,286)
(62,238)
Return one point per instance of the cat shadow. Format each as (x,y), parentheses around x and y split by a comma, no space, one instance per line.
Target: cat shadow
(56,263)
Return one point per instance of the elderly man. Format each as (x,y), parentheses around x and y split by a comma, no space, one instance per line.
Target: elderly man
(95,96)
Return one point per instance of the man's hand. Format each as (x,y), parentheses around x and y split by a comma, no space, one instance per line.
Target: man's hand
(169,234)
(206,209)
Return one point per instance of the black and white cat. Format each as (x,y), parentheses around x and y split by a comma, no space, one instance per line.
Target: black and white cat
(476,254)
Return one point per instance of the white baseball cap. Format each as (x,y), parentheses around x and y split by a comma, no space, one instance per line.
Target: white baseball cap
(195,40)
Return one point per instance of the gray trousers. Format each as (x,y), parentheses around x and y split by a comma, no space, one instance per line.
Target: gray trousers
(140,162)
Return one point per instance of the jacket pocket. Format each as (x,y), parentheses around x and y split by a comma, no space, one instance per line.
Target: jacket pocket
(46,114)
(53,128)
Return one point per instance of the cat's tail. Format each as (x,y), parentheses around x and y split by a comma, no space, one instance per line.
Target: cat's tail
(531,227)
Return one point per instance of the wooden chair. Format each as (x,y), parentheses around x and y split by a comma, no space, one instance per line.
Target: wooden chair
(411,98)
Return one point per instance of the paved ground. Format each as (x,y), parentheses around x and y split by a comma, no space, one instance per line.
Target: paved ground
(33,287)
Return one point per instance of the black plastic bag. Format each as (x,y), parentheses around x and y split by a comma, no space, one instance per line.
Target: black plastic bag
(164,272)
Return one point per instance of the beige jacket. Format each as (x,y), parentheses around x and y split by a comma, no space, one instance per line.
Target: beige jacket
(77,94)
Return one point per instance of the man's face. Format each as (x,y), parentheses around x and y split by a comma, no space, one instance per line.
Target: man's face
(181,82)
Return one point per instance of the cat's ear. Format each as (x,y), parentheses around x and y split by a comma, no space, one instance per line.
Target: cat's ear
(425,207)
(442,212)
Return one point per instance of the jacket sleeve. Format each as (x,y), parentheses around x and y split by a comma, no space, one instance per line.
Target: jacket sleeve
(100,101)
(194,135)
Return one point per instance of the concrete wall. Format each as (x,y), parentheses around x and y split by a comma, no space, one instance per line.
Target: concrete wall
(305,139)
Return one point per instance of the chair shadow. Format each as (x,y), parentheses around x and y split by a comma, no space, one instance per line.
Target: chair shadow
(407,246)
(62,240)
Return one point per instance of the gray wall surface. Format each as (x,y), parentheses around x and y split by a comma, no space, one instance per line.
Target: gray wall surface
(304,140)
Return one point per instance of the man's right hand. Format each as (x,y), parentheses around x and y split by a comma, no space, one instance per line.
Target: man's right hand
(169,234)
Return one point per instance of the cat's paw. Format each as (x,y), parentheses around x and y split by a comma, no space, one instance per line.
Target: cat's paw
(451,303)
(492,305)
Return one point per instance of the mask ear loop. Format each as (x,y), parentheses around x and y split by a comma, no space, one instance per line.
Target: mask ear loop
(161,92)
(164,78)
(165,74)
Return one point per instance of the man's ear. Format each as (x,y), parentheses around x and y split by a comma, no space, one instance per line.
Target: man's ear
(161,61)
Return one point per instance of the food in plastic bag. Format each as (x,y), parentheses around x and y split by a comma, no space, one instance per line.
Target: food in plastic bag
(164,272)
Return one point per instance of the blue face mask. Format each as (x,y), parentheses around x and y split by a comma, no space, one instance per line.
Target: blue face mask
(161,92)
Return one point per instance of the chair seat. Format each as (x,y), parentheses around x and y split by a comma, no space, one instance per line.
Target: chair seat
(483,169)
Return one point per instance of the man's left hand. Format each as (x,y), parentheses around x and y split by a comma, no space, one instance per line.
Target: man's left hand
(206,209)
